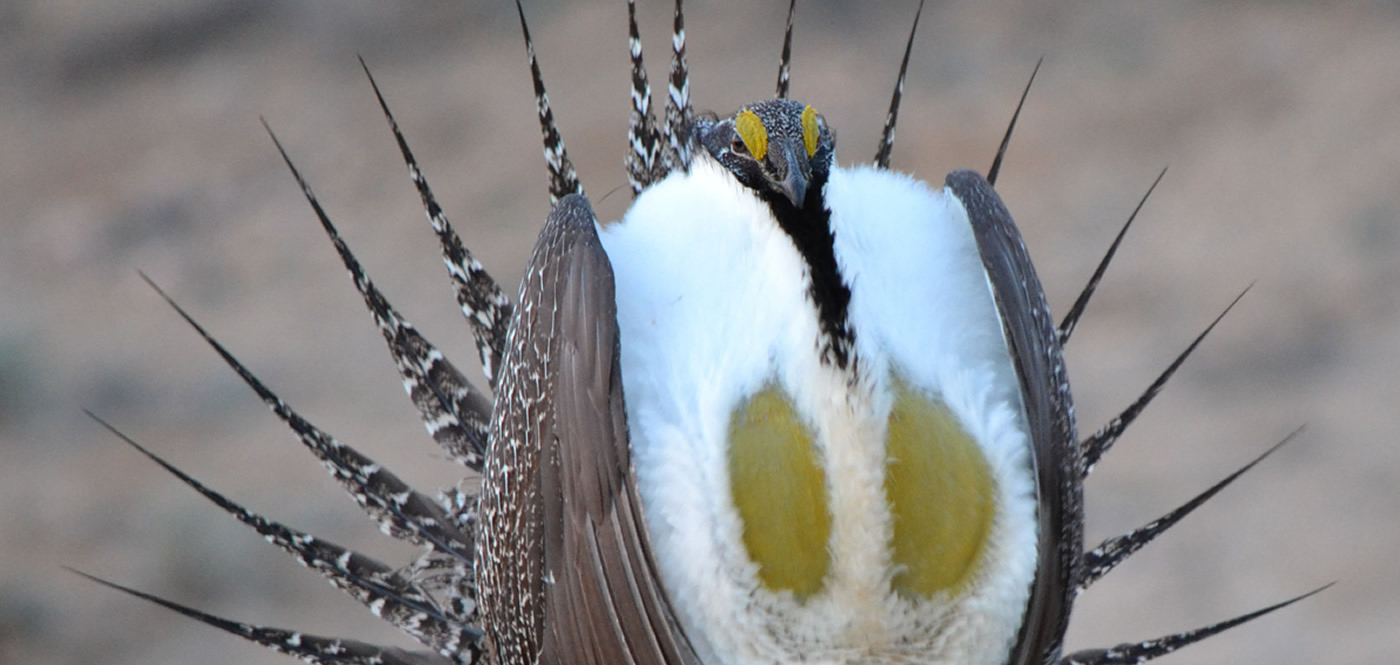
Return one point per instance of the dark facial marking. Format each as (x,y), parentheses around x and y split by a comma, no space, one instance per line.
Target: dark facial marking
(800,207)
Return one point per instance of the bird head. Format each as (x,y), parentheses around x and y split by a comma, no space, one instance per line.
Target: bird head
(777,147)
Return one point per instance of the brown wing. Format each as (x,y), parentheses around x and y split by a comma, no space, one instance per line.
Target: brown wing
(566,572)
(1035,350)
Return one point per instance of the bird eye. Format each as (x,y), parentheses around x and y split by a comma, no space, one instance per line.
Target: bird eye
(738,147)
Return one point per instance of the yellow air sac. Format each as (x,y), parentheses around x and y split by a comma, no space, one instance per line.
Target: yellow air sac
(779,490)
(940,492)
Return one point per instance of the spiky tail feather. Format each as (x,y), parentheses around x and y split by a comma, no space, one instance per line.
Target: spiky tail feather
(785,58)
(1097,444)
(563,180)
(1104,558)
(1076,310)
(1133,653)
(454,411)
(387,594)
(679,114)
(886,149)
(486,307)
(643,159)
(995,171)
(313,649)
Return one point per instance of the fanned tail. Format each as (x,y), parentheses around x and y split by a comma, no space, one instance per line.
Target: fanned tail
(434,598)
(886,149)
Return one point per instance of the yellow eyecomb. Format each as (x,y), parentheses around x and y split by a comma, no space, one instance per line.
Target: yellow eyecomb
(810,131)
(754,134)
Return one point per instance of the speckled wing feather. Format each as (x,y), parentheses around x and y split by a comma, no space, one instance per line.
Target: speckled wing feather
(1034,345)
(1059,461)
(565,566)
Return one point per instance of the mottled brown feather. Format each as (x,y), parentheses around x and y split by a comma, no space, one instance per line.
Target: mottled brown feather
(564,545)
(1034,344)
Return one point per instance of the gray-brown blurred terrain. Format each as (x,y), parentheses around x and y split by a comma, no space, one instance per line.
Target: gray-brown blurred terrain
(129,139)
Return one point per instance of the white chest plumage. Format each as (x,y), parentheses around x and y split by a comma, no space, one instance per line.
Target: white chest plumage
(713,306)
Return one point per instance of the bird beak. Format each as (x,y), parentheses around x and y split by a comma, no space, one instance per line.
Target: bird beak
(789,160)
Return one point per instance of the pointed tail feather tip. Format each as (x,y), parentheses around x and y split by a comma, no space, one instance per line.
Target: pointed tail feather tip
(1071,319)
(886,149)
(785,59)
(1133,653)
(563,179)
(995,171)
(1101,441)
(1099,561)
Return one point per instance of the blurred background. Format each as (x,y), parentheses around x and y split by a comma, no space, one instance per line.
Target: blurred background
(131,140)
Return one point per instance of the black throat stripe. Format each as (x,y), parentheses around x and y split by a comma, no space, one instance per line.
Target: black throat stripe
(810,229)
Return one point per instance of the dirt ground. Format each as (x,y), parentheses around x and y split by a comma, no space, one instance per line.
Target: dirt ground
(130,139)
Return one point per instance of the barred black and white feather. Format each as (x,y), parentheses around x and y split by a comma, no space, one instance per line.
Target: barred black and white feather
(644,159)
(679,114)
(384,590)
(486,307)
(400,511)
(563,179)
(453,410)
(314,649)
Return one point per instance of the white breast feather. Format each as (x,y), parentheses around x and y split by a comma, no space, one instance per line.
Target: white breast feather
(712,305)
